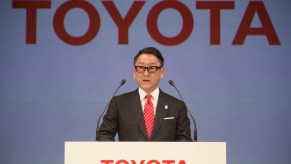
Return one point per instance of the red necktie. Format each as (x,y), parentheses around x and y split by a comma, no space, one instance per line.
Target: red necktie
(149,115)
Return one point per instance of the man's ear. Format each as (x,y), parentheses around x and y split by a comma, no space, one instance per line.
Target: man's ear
(163,70)
(133,71)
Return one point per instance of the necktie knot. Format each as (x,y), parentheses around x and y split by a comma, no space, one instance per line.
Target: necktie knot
(148,97)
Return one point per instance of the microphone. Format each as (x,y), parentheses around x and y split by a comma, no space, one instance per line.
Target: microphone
(195,127)
(98,127)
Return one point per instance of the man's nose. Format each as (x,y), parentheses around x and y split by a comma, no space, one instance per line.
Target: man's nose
(146,72)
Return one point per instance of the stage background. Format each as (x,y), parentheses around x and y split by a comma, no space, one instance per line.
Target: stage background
(52,92)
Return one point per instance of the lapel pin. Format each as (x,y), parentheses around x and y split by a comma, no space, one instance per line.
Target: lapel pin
(166,106)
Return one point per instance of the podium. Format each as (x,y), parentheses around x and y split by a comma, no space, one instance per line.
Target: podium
(145,153)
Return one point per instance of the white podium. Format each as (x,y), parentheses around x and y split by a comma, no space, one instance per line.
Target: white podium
(145,153)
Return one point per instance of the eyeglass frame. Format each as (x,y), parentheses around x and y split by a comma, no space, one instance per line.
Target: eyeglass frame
(148,68)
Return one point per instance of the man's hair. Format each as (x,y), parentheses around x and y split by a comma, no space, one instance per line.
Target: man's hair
(152,51)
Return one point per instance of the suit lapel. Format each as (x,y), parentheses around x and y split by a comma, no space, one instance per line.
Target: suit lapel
(137,113)
(161,113)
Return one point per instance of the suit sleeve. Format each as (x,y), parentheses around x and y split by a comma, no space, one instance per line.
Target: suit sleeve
(108,128)
(183,128)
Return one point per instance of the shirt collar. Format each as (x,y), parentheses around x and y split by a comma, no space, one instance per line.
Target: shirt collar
(155,94)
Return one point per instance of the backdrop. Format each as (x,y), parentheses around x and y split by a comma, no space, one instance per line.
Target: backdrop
(60,62)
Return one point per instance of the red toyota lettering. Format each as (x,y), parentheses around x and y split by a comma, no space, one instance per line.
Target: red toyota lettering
(31,16)
(59,20)
(152,23)
(215,7)
(267,28)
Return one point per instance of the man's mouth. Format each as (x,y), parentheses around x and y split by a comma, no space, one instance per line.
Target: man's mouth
(145,80)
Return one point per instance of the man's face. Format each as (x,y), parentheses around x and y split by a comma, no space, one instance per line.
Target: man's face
(146,80)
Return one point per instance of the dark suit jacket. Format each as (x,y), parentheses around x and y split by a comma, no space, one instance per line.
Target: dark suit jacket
(125,117)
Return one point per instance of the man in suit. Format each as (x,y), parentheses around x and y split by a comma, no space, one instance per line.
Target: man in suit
(146,114)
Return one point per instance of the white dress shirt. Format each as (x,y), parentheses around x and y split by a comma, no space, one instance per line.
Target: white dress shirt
(155,97)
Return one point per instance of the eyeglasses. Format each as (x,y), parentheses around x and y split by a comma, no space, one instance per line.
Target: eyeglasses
(151,69)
